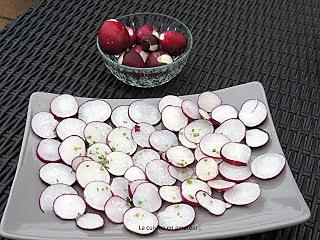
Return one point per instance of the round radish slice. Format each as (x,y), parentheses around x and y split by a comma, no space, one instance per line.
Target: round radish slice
(53,173)
(220,185)
(198,154)
(268,165)
(190,187)
(234,129)
(72,147)
(89,171)
(157,172)
(253,112)
(180,156)
(176,216)
(207,169)
(141,221)
(120,140)
(147,197)
(173,118)
(90,221)
(163,140)
(120,187)
(190,109)
(234,173)
(77,160)
(98,152)
(118,163)
(256,137)
(48,150)
(69,206)
(208,101)
(223,113)
(96,132)
(142,111)
(237,154)
(169,100)
(184,141)
(214,206)
(141,134)
(44,125)
(64,106)
(143,157)
(134,184)
(181,174)
(96,194)
(197,129)
(115,208)
(120,117)
(94,110)
(170,194)
(212,143)
(70,127)
(134,173)
(49,195)
(242,194)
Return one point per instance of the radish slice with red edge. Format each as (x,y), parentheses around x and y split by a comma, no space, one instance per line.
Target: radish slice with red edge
(184,141)
(208,101)
(98,152)
(169,100)
(48,150)
(173,118)
(134,184)
(197,129)
(237,154)
(69,206)
(198,154)
(143,157)
(142,111)
(234,173)
(212,143)
(170,194)
(220,184)
(242,194)
(120,187)
(256,137)
(141,133)
(72,147)
(181,174)
(190,187)
(115,208)
(234,129)
(253,112)
(223,113)
(180,156)
(190,109)
(53,173)
(214,206)
(77,160)
(162,140)
(268,165)
(134,173)
(94,110)
(207,169)
(96,194)
(90,221)
(120,117)
(64,106)
(70,127)
(120,140)
(96,132)
(147,197)
(157,172)
(44,125)
(118,163)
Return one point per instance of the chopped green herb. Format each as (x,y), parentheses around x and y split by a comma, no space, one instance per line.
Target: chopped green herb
(204,194)
(97,189)
(87,165)
(89,137)
(190,196)
(139,202)
(214,150)
(189,181)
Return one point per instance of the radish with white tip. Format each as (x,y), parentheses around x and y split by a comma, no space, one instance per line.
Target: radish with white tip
(134,173)
(181,174)
(48,150)
(157,172)
(134,184)
(223,113)
(115,208)
(212,143)
(77,160)
(256,137)
(195,130)
(94,110)
(70,127)
(53,173)
(120,140)
(69,206)
(169,100)
(220,184)
(96,194)
(184,141)
(242,194)
(120,117)
(120,187)
(141,133)
(90,221)
(190,187)
(143,157)
(237,154)
(190,109)
(233,173)
(208,101)
(99,152)
(118,163)
(180,156)
(171,194)
(44,125)
(96,132)
(72,147)
(214,206)
(138,110)
(64,106)
(146,196)
(207,169)
(253,112)
(268,165)
(162,140)
(173,118)
(233,129)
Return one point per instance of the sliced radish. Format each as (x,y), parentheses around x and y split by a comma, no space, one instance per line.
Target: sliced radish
(120,187)
(212,143)
(96,132)
(44,125)
(146,196)
(234,173)
(96,194)
(223,113)
(197,129)
(268,165)
(180,156)
(98,152)
(49,195)
(118,163)
(69,206)
(134,173)
(198,154)
(184,141)
(70,126)
(64,106)
(236,153)
(48,150)
(115,208)
(207,169)
(139,220)
(190,187)
(220,184)
(120,117)
(134,184)
(242,194)
(208,101)
(171,194)
(89,171)
(72,147)
(77,160)
(142,157)
(53,173)
(141,133)
(158,173)
(214,206)
(176,216)
(120,140)
(234,129)
(142,111)
(90,221)
(162,140)
(253,112)
(228,205)
(181,174)
(190,109)
(256,137)
(173,118)
(163,156)
(95,110)
(169,100)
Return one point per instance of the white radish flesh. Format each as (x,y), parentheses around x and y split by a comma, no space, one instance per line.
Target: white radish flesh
(118,163)
(99,152)
(212,143)
(48,150)
(179,173)
(157,172)
(223,113)
(120,187)
(214,206)
(115,208)
(72,147)
(96,194)
(170,194)
(198,154)
(268,165)
(134,173)
(120,139)
(253,112)
(134,184)
(207,169)
(162,140)
(53,173)
(180,156)
(208,101)
(184,141)
(69,206)
(190,109)
(220,184)
(169,100)
(242,194)
(173,118)
(141,133)
(77,160)
(142,111)
(96,132)
(197,129)
(146,196)
(94,110)
(44,125)
(233,129)
(143,157)
(190,187)
(256,137)
(70,126)
(120,117)
(236,154)
(64,106)
(234,173)
(90,221)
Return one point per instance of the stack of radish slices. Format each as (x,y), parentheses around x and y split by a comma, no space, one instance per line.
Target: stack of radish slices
(134,170)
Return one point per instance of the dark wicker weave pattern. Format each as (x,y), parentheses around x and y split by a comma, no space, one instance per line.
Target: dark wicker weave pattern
(52,48)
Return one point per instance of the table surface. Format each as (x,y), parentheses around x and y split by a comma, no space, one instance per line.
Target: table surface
(276,42)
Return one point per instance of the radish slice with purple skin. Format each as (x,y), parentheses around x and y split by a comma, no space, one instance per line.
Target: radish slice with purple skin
(70,127)
(120,140)
(69,206)
(117,163)
(181,174)
(134,184)
(171,194)
(256,137)
(180,156)
(64,106)
(214,206)
(134,173)
(141,133)
(169,100)
(90,221)
(208,101)
(48,150)
(96,194)
(115,208)
(143,157)
(44,125)
(140,221)
(253,112)
(120,117)
(198,154)
(207,169)
(220,184)
(173,118)
(242,194)
(223,113)
(234,129)
(120,187)
(190,109)
(147,197)
(77,160)
(138,110)
(197,129)
(237,154)
(94,110)
(212,143)
(72,147)
(98,152)
(190,187)
(268,165)
(234,173)
(157,172)
(53,173)
(96,132)
(162,140)
(184,141)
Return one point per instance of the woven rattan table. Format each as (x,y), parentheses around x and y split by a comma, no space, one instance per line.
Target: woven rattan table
(52,48)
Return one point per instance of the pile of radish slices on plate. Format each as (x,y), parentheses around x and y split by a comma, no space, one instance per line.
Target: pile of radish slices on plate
(147,165)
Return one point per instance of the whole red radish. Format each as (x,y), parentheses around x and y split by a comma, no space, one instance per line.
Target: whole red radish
(173,42)
(149,43)
(142,53)
(158,58)
(131,58)
(146,30)
(132,35)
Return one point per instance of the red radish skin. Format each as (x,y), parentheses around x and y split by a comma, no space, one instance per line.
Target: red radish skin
(253,112)
(132,59)
(146,196)
(90,221)
(143,54)
(220,184)
(96,132)
(170,100)
(173,42)
(234,129)
(256,137)
(190,109)
(197,129)
(158,58)
(157,172)
(146,30)
(64,106)
(242,194)
(214,206)
(138,110)
(132,34)
(70,127)
(44,125)
(208,101)
(233,173)
(53,173)
(268,165)
(190,187)
(120,117)
(237,154)
(77,160)
(96,194)
(115,208)
(162,140)
(69,206)
(223,113)
(212,143)
(94,110)
(48,151)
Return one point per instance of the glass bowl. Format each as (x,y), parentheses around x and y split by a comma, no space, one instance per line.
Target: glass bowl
(155,76)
